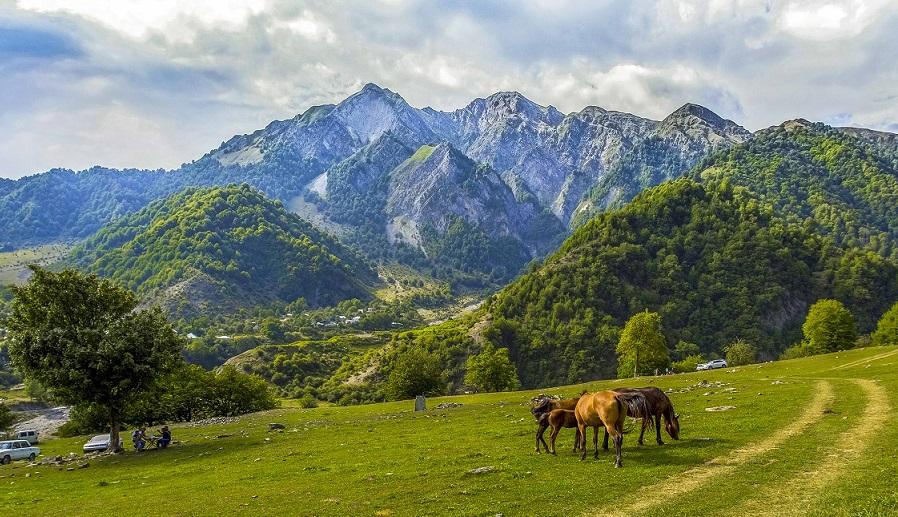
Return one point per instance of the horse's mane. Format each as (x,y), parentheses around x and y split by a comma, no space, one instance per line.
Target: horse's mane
(636,404)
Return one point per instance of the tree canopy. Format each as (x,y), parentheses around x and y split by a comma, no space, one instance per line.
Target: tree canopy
(642,347)
(80,337)
(887,329)
(491,370)
(829,327)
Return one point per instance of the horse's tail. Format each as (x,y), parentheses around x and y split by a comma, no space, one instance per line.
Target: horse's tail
(636,405)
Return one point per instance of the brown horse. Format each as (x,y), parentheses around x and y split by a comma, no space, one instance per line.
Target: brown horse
(608,409)
(543,406)
(659,405)
(556,419)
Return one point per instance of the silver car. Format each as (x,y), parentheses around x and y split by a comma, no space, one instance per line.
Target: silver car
(17,450)
(99,442)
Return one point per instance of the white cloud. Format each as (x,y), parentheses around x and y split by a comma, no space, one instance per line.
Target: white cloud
(183,76)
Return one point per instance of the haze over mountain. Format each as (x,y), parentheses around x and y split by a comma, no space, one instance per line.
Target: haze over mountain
(502,168)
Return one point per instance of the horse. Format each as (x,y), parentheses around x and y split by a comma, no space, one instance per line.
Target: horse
(543,406)
(659,405)
(608,409)
(556,419)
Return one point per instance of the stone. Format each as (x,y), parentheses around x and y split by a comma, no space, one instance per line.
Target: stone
(720,408)
(274,426)
(480,470)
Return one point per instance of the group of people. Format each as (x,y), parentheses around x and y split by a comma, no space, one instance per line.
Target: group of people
(140,439)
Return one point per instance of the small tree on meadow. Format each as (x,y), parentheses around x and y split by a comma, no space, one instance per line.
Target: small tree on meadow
(740,353)
(829,327)
(416,372)
(491,370)
(6,417)
(82,339)
(642,347)
(887,329)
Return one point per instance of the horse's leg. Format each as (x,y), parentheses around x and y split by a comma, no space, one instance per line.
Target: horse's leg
(595,441)
(555,430)
(605,441)
(581,429)
(539,437)
(618,444)
(642,431)
(576,439)
(658,429)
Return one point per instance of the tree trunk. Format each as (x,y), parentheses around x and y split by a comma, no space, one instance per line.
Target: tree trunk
(114,428)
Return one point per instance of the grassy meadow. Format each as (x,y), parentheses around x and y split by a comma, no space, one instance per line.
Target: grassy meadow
(14,264)
(805,437)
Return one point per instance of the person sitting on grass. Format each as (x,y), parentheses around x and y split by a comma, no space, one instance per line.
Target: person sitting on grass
(139,437)
(164,438)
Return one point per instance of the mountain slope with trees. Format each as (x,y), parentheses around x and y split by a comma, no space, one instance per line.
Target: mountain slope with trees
(713,260)
(220,249)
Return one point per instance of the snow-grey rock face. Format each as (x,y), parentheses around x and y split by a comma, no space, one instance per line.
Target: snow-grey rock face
(495,163)
(502,164)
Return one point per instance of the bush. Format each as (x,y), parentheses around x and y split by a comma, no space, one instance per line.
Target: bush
(6,417)
(414,373)
(491,370)
(887,329)
(308,402)
(740,353)
(687,364)
(797,351)
(829,327)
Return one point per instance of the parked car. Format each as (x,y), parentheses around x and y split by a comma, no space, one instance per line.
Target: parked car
(100,442)
(29,435)
(712,365)
(17,450)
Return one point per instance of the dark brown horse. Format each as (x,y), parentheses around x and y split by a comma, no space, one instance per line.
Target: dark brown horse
(545,405)
(608,409)
(557,419)
(658,405)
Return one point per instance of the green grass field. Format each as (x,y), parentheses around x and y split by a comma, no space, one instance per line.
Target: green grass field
(14,264)
(806,437)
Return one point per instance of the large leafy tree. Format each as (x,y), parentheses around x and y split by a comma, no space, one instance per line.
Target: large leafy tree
(642,347)
(416,372)
(491,370)
(887,329)
(829,326)
(81,337)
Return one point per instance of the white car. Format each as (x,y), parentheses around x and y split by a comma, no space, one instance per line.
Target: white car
(17,450)
(712,365)
(99,442)
(29,435)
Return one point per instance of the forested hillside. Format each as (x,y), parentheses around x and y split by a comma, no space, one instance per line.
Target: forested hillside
(843,183)
(222,248)
(713,260)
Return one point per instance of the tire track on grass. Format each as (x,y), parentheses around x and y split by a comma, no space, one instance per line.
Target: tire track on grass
(864,360)
(795,495)
(684,482)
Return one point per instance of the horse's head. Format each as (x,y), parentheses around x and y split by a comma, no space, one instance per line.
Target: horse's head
(540,407)
(672,426)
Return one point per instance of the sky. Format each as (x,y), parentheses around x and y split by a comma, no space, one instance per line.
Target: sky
(156,83)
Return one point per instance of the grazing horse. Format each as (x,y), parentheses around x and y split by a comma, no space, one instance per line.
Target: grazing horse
(543,406)
(556,419)
(608,409)
(659,405)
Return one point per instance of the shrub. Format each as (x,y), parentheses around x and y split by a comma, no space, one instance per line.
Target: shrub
(740,353)
(887,329)
(687,364)
(491,370)
(829,327)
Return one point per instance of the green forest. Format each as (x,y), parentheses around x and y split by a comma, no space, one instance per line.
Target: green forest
(235,241)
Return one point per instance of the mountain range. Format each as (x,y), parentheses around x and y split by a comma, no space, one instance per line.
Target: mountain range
(407,183)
